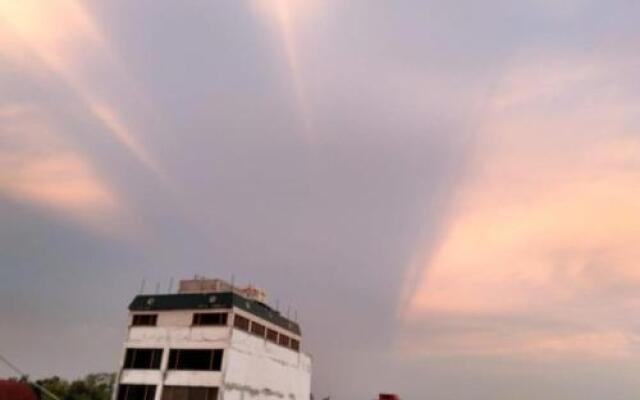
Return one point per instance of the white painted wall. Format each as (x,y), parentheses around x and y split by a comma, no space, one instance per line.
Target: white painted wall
(193,378)
(174,331)
(141,377)
(252,367)
(256,369)
(178,337)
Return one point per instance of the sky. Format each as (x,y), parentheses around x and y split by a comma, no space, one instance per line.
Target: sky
(447,194)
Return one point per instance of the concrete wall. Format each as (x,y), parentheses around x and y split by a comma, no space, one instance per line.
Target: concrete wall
(256,369)
(174,331)
(252,367)
(179,337)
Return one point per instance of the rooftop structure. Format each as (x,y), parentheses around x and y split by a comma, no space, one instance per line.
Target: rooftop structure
(211,341)
(203,285)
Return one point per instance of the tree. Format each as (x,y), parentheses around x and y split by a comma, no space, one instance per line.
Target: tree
(91,387)
(55,385)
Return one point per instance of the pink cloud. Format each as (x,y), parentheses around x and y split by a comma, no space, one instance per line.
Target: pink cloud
(37,166)
(60,36)
(548,218)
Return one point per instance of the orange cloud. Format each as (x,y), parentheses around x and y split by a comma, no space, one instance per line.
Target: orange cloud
(36,166)
(597,344)
(546,225)
(110,119)
(63,180)
(60,34)
(286,18)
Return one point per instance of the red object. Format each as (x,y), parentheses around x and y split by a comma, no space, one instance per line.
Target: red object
(10,390)
(388,396)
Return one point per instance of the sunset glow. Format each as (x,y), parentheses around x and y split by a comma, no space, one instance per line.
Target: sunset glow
(547,220)
(38,167)
(445,196)
(287,18)
(58,34)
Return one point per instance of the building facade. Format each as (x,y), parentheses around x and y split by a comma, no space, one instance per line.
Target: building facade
(211,341)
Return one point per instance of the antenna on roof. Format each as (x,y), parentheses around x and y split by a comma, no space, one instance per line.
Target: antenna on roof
(157,287)
(142,286)
(233,281)
(288,309)
(295,315)
(170,285)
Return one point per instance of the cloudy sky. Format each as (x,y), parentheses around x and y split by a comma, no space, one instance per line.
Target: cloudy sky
(447,192)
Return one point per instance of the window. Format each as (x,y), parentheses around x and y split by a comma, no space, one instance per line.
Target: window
(143,358)
(189,393)
(136,392)
(295,345)
(144,320)
(195,360)
(200,319)
(283,340)
(241,322)
(257,328)
(272,336)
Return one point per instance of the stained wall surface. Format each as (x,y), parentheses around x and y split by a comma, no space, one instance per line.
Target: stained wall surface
(257,369)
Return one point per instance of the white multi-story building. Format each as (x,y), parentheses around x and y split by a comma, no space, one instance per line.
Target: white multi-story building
(211,341)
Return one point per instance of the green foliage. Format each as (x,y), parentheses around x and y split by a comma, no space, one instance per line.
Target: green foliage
(91,387)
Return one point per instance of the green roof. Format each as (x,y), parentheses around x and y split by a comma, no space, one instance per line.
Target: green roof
(211,301)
